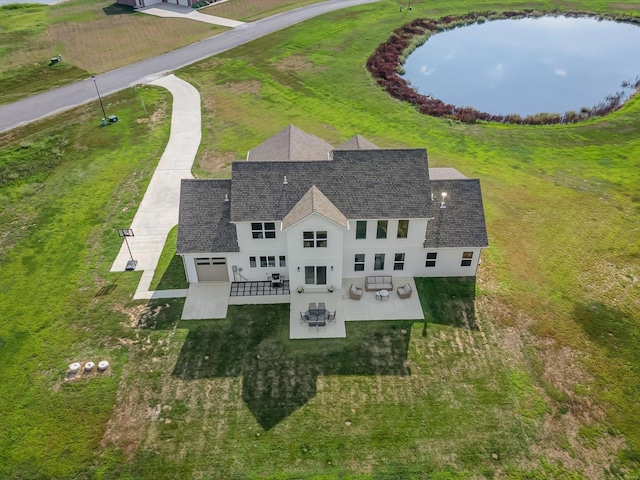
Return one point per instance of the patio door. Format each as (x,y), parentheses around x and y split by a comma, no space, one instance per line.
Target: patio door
(315,275)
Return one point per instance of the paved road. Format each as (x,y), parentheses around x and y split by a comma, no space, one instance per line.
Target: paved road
(64,98)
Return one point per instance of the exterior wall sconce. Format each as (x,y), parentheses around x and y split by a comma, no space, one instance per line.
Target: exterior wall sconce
(298,268)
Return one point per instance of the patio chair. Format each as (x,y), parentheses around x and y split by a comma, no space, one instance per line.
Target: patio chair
(312,308)
(405,291)
(355,293)
(331,317)
(321,322)
(321,307)
(304,317)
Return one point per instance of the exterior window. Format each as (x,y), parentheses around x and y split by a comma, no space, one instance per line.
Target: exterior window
(431,259)
(314,239)
(382,229)
(378,264)
(315,275)
(361,229)
(466,259)
(263,230)
(283,261)
(252,262)
(308,239)
(398,263)
(403,228)
(358,264)
(268,262)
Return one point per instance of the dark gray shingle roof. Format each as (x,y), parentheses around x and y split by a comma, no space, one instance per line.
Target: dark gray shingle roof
(291,143)
(360,183)
(357,142)
(461,223)
(204,223)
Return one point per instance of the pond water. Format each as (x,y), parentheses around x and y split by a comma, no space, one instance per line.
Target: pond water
(527,66)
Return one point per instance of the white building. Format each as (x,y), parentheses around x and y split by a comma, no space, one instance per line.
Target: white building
(315,215)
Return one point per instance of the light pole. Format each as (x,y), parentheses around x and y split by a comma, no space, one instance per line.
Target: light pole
(104,118)
(127,232)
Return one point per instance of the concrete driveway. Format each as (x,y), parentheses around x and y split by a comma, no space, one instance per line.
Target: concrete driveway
(170,10)
(158,211)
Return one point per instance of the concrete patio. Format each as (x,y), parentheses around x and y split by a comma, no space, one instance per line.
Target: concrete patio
(208,300)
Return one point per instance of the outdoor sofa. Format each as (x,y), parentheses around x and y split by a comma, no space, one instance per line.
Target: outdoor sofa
(375,283)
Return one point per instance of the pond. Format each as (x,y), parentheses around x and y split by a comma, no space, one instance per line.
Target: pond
(529,65)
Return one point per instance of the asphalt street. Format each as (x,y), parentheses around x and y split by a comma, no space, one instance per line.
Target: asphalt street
(48,103)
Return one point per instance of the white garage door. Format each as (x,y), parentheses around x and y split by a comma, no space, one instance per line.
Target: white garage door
(212,269)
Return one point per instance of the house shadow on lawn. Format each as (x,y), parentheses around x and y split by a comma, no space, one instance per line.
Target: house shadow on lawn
(117,9)
(280,375)
(448,301)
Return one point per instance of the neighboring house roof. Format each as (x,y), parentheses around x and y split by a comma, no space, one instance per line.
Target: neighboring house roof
(360,183)
(314,201)
(357,142)
(445,173)
(462,222)
(204,222)
(288,144)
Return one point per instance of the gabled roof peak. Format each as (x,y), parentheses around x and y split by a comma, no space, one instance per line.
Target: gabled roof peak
(314,201)
(291,144)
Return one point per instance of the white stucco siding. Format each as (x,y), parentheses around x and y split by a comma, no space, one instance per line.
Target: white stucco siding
(329,256)
(246,271)
(370,246)
(448,262)
(247,243)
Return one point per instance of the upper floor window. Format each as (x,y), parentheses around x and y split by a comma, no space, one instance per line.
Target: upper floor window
(283,261)
(403,228)
(263,230)
(466,259)
(252,262)
(398,263)
(431,259)
(361,229)
(382,229)
(358,264)
(314,239)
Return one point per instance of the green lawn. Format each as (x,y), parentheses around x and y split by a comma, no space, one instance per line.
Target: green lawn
(67,185)
(529,372)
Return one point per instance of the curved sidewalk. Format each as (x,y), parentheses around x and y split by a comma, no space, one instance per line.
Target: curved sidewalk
(158,211)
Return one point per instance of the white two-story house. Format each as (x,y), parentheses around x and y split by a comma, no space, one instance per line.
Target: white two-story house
(316,215)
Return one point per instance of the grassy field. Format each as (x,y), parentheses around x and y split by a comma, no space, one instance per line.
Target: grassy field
(92,37)
(531,372)
(67,184)
(250,10)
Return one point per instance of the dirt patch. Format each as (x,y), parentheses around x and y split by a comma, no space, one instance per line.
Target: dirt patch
(296,64)
(625,6)
(250,86)
(216,162)
(139,315)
